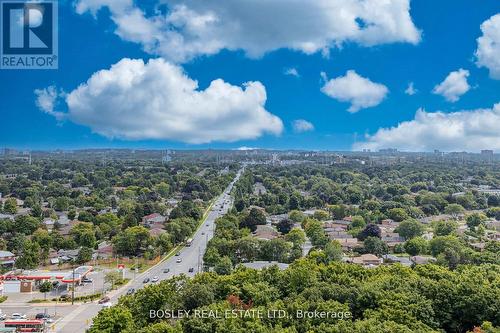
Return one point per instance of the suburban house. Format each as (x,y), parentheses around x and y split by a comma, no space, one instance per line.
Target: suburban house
(420,260)
(390,258)
(391,238)
(348,244)
(367,260)
(155,232)
(7,258)
(264,264)
(265,232)
(48,223)
(152,219)
(104,250)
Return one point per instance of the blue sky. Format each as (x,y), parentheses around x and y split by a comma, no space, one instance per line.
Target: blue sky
(448,42)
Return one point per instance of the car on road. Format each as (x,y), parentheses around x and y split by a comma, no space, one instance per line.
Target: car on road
(166,270)
(202,233)
(45,317)
(206,225)
(107,305)
(191,270)
(87,280)
(179,260)
(3,316)
(103,300)
(64,297)
(178,254)
(146,280)
(17,316)
(155,279)
(130,291)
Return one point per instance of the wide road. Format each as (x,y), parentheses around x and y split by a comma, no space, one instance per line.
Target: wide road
(79,319)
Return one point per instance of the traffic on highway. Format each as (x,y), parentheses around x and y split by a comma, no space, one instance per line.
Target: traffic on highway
(188,260)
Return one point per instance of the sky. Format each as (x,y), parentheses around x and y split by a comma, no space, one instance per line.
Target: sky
(299,74)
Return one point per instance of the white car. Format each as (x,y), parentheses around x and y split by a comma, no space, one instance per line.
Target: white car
(2,316)
(155,279)
(18,316)
(107,305)
(179,260)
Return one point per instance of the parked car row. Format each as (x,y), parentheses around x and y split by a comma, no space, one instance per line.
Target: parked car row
(19,316)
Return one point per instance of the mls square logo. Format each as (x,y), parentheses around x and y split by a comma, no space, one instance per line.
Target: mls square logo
(28,34)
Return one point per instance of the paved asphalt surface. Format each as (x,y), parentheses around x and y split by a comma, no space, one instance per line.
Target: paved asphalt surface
(77,318)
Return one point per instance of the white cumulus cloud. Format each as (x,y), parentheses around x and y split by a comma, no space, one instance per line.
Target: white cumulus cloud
(292,71)
(410,90)
(470,130)
(454,86)
(157,100)
(355,89)
(488,46)
(46,100)
(191,28)
(302,125)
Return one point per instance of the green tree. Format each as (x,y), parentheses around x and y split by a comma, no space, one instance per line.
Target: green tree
(371,230)
(84,255)
(26,224)
(296,236)
(275,250)
(321,215)
(30,255)
(416,246)
(314,230)
(333,251)
(285,225)
(84,234)
(443,227)
(410,228)
(254,218)
(224,266)
(358,222)
(132,241)
(61,204)
(116,319)
(163,189)
(296,216)
(454,210)
(10,206)
(112,277)
(397,214)
(475,219)
(45,287)
(375,246)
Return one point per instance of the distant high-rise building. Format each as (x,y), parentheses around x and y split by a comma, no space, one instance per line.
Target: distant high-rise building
(486,152)
(388,150)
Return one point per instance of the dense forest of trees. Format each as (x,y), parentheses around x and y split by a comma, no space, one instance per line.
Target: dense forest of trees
(393,299)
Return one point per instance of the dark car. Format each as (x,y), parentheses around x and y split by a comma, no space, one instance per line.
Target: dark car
(146,280)
(166,270)
(42,316)
(178,254)
(103,300)
(87,280)
(191,270)
(130,291)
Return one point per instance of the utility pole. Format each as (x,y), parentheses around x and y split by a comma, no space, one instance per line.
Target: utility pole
(73,289)
(57,296)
